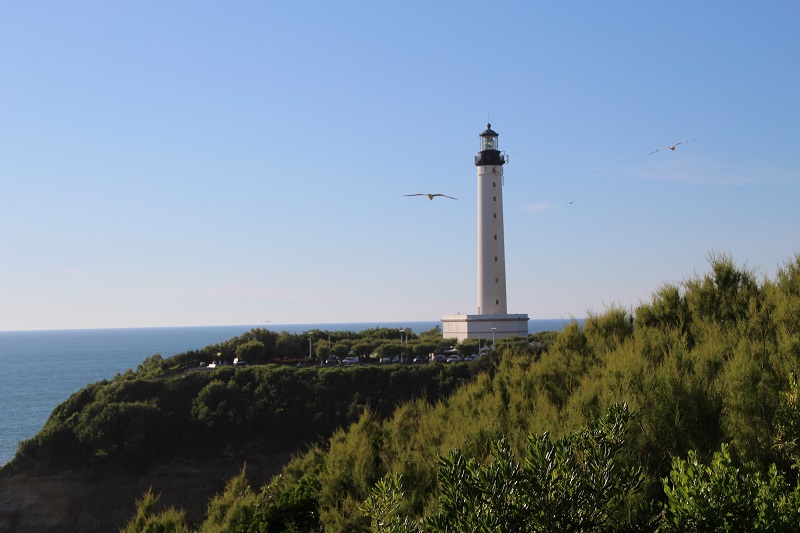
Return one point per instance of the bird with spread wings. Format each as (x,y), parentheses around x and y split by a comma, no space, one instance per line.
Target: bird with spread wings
(672,147)
(431,196)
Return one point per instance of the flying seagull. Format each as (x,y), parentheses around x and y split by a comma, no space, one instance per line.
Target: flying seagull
(672,147)
(430,196)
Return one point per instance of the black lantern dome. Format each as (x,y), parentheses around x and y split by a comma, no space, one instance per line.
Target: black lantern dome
(489,154)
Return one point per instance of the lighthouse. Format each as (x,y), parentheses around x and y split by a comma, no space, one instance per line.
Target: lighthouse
(492,318)
(491,247)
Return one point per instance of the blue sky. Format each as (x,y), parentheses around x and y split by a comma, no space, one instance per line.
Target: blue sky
(208,163)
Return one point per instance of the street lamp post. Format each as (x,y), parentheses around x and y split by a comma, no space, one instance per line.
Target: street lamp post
(493,330)
(402,334)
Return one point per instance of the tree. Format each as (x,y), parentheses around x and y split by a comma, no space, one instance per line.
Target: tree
(289,345)
(150,367)
(341,348)
(362,348)
(389,349)
(468,347)
(251,351)
(322,349)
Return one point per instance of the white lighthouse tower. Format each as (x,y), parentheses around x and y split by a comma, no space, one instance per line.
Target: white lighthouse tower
(492,319)
(491,240)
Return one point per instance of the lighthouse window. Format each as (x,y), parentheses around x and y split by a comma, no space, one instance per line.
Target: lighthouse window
(494,198)
(495,259)
(497,302)
(494,184)
(496,280)
(495,237)
(495,215)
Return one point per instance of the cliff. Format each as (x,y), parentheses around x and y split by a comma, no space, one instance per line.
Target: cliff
(185,435)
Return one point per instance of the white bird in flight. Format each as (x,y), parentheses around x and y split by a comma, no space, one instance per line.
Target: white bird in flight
(672,147)
(430,196)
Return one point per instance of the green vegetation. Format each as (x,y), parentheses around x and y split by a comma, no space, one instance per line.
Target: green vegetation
(571,484)
(682,414)
(147,520)
(134,422)
(260,346)
(705,368)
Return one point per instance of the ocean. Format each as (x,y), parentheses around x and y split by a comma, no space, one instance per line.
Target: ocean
(41,369)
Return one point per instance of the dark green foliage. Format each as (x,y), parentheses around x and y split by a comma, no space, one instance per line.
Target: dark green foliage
(149,520)
(295,507)
(288,345)
(722,496)
(542,341)
(574,483)
(702,364)
(608,331)
(668,311)
(352,466)
(151,367)
(232,511)
(468,347)
(566,364)
(786,439)
(253,350)
(515,343)
(723,295)
(136,422)
(381,508)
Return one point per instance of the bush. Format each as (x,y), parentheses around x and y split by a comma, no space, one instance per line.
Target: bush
(724,497)
(574,483)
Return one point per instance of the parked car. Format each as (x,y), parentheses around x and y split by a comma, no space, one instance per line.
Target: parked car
(352,360)
(420,359)
(454,359)
(384,361)
(439,359)
(469,358)
(332,361)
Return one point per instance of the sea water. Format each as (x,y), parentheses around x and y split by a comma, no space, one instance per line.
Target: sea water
(41,369)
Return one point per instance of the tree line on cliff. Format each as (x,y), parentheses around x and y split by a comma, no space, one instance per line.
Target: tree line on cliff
(170,407)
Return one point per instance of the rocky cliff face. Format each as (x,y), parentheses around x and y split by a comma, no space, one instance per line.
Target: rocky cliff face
(89,502)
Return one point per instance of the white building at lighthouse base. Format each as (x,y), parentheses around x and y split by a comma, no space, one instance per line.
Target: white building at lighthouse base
(462,327)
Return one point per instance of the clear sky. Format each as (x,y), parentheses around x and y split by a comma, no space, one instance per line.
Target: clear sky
(212,163)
